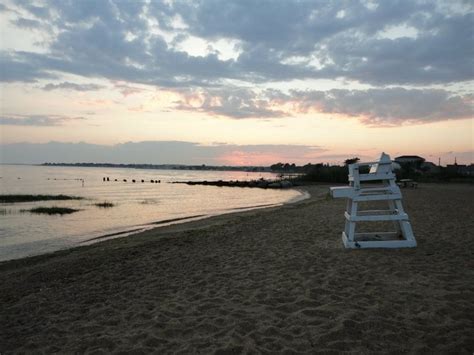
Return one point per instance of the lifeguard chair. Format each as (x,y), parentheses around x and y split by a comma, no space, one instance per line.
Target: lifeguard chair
(383,188)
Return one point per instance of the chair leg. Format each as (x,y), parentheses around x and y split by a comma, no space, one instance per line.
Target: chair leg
(392,207)
(351,226)
(404,226)
(407,231)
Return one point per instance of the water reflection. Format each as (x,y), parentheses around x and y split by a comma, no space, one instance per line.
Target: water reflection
(135,204)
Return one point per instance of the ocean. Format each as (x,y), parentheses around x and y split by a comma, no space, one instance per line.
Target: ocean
(137,206)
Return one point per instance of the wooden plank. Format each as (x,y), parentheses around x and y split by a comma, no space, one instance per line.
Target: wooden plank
(374,218)
(375,212)
(382,197)
(373,177)
(378,244)
(342,192)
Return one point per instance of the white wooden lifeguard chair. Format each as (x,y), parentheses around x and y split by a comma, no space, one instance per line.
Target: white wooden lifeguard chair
(383,188)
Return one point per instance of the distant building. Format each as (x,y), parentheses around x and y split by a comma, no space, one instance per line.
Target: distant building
(429,167)
(461,169)
(410,159)
(469,170)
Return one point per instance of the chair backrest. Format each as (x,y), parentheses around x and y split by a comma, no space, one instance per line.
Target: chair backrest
(383,166)
(380,170)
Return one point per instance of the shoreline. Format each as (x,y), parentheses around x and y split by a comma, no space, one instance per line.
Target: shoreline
(270,280)
(138,229)
(189,219)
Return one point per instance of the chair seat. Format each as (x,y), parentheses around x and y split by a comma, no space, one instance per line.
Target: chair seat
(342,191)
(373,177)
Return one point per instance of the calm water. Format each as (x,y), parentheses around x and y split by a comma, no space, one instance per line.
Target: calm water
(137,205)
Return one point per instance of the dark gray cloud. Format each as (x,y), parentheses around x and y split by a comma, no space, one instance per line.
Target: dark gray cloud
(42,12)
(287,27)
(72,86)
(27,23)
(5,8)
(442,52)
(386,107)
(234,103)
(18,67)
(343,37)
(390,106)
(37,120)
(277,41)
(117,42)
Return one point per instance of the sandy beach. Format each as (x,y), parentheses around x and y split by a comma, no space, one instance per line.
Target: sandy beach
(274,280)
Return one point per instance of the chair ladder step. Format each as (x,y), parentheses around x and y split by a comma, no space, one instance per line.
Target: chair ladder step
(374,218)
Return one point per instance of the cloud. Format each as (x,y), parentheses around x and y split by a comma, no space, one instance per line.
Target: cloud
(72,86)
(127,90)
(27,23)
(374,107)
(137,41)
(389,106)
(400,49)
(159,152)
(178,152)
(17,67)
(4,8)
(42,12)
(233,103)
(442,52)
(37,120)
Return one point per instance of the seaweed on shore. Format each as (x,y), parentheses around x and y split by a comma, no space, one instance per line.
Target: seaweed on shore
(104,204)
(52,210)
(31,198)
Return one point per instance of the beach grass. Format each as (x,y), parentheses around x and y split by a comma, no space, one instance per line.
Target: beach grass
(104,204)
(32,198)
(52,210)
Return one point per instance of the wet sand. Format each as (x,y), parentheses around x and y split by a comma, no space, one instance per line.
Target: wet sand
(274,280)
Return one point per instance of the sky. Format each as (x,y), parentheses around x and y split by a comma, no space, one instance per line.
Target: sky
(235,82)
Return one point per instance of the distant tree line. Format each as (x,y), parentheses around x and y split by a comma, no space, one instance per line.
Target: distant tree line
(321,172)
(418,172)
